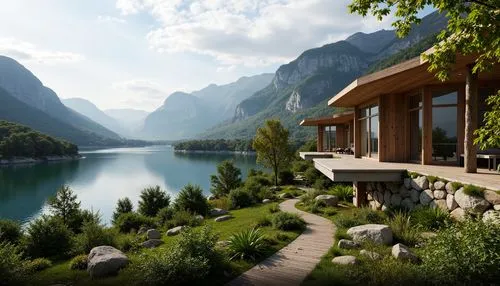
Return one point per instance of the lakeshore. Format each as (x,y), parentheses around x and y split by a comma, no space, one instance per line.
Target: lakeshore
(28,161)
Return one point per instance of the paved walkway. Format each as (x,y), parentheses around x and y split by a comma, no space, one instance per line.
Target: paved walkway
(293,263)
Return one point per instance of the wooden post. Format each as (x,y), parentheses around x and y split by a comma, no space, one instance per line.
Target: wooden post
(360,196)
(427,127)
(471,93)
(356,131)
(319,143)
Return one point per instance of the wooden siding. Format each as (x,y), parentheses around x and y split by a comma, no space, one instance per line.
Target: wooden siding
(392,128)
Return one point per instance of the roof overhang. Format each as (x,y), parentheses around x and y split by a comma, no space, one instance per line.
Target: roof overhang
(336,119)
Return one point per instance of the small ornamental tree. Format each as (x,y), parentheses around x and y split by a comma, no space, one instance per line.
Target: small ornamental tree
(152,200)
(64,204)
(228,178)
(123,206)
(272,147)
(488,136)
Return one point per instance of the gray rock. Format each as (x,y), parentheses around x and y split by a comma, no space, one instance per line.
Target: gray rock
(369,196)
(396,200)
(153,234)
(370,254)
(345,260)
(451,204)
(380,187)
(199,217)
(377,233)
(431,187)
(458,214)
(449,188)
(104,261)
(175,231)
(426,197)
(492,197)
(393,187)
(420,183)
(328,200)
(211,198)
(404,192)
(142,230)
(491,216)
(471,203)
(348,244)
(408,204)
(403,252)
(379,197)
(439,204)
(439,185)
(152,243)
(439,195)
(407,183)
(266,201)
(387,198)
(496,207)
(415,196)
(218,212)
(223,218)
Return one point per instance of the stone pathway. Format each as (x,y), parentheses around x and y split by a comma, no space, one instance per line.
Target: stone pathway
(291,264)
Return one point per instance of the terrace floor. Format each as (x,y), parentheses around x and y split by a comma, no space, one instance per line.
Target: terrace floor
(346,168)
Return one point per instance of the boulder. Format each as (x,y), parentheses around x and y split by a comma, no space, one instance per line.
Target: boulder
(175,231)
(199,217)
(408,204)
(370,254)
(451,204)
(369,196)
(348,244)
(431,187)
(439,195)
(403,252)
(266,201)
(426,197)
(449,188)
(387,198)
(345,260)
(415,195)
(393,187)
(492,216)
(153,234)
(439,204)
(152,243)
(492,197)
(328,200)
(404,192)
(395,200)
(458,214)
(439,185)
(379,197)
(407,183)
(496,207)
(104,261)
(471,203)
(223,218)
(142,230)
(420,183)
(218,212)
(211,197)
(377,233)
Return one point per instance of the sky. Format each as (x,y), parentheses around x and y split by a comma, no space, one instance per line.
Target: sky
(134,53)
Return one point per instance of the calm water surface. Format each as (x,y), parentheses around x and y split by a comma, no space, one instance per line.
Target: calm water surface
(104,176)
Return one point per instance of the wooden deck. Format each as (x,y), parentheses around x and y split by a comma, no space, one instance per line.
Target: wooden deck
(293,263)
(348,168)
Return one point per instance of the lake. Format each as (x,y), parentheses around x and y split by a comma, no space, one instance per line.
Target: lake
(104,176)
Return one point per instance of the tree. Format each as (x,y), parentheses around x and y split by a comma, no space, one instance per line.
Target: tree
(152,200)
(489,135)
(272,147)
(123,206)
(64,204)
(228,178)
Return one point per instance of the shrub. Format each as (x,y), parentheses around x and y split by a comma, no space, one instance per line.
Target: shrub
(368,215)
(288,221)
(263,221)
(430,218)
(164,215)
(38,264)
(322,183)
(221,203)
(228,178)
(248,244)
(76,222)
(133,221)
(78,262)
(64,204)
(309,196)
(475,191)
(191,199)
(286,177)
(152,199)
(465,254)
(183,218)
(403,230)
(48,236)
(12,265)
(257,190)
(345,221)
(122,206)
(10,231)
(311,175)
(274,208)
(343,192)
(300,166)
(93,234)
(240,198)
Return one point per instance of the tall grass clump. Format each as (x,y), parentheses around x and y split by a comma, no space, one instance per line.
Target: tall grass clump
(308,198)
(403,230)
(343,192)
(247,244)
(474,191)
(429,218)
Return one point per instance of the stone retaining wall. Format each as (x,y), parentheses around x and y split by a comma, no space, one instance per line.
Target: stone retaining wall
(448,196)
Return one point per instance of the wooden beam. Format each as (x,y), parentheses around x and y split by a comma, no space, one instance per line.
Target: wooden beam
(360,195)
(357,138)
(427,127)
(471,93)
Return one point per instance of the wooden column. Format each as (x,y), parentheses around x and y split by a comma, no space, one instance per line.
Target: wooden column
(357,134)
(319,143)
(427,127)
(471,93)
(360,196)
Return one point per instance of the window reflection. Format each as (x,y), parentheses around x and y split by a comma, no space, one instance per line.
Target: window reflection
(444,127)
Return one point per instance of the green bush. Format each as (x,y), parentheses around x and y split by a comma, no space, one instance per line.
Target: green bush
(300,166)
(241,198)
(309,196)
(164,215)
(247,245)
(465,254)
(183,218)
(263,221)
(343,192)
(133,221)
(78,262)
(189,261)
(311,175)
(92,235)
(38,264)
(367,215)
(153,199)
(127,242)
(288,221)
(274,208)
(403,230)
(345,221)
(286,177)
(48,236)
(13,270)
(191,199)
(122,206)
(429,218)
(10,231)
(322,183)
(474,191)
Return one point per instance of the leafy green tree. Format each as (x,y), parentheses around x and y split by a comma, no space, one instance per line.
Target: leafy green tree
(123,206)
(228,178)
(191,199)
(272,147)
(489,135)
(152,199)
(64,204)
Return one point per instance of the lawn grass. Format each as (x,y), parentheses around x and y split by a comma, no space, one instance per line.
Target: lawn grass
(60,272)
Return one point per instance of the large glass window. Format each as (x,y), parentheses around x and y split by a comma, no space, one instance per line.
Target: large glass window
(444,126)
(415,116)
(369,131)
(329,138)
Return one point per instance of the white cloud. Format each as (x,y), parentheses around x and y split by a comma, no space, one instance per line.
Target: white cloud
(28,52)
(141,86)
(248,32)
(110,19)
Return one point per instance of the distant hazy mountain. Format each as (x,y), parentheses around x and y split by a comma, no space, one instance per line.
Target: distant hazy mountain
(184,115)
(19,83)
(130,119)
